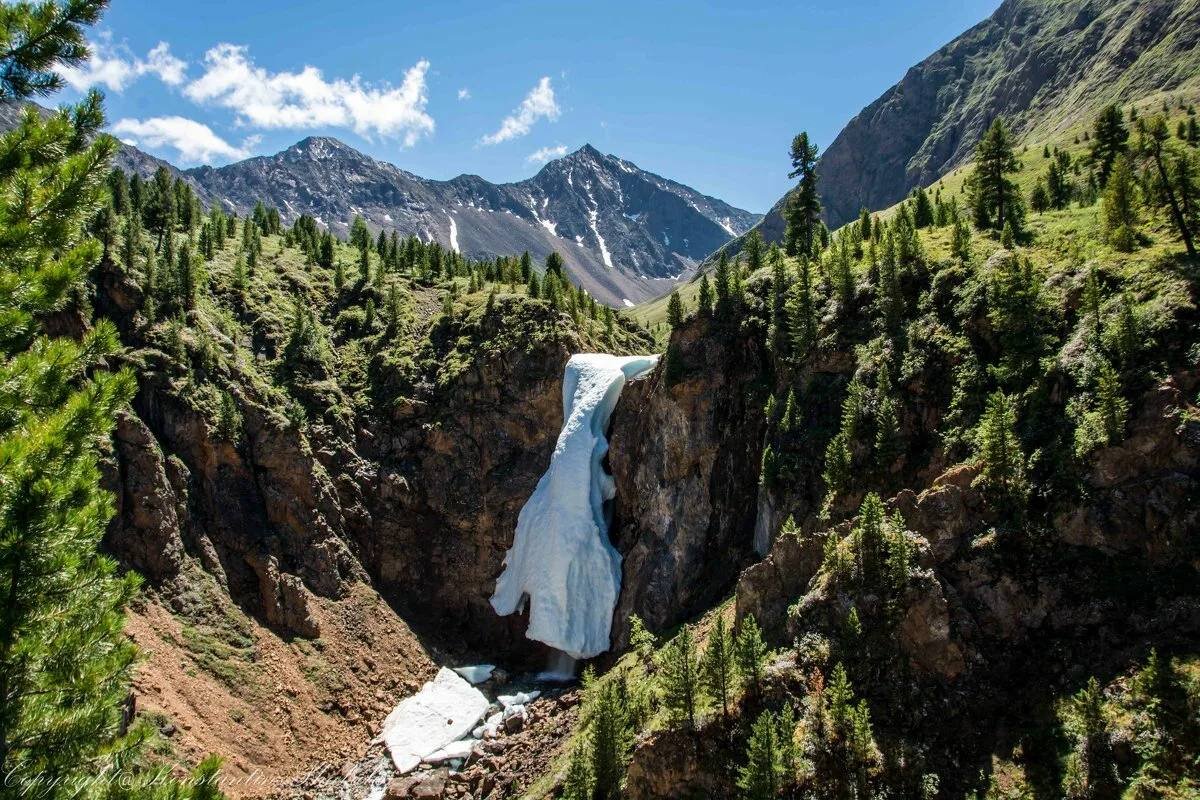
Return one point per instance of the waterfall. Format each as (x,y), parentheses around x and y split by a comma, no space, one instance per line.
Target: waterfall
(561,560)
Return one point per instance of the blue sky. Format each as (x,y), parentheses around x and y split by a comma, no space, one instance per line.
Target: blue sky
(708,94)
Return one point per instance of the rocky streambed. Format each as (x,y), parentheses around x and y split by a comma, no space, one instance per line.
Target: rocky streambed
(518,737)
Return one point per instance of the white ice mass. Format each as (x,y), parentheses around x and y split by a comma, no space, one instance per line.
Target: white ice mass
(561,558)
(444,711)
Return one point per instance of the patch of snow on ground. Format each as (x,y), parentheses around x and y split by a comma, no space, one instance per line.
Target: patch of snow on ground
(453,234)
(728,228)
(444,711)
(561,559)
(454,751)
(477,673)
(628,304)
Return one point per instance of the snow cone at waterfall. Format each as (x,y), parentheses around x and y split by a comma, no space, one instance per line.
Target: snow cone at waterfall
(561,559)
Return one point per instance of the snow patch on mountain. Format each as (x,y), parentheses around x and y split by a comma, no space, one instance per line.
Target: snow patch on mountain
(453,234)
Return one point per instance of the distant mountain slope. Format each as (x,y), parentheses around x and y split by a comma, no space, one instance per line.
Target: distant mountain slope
(625,234)
(1043,65)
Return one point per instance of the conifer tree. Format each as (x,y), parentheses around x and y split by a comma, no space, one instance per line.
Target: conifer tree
(1119,207)
(706,296)
(577,785)
(788,761)
(998,449)
(674,311)
(803,208)
(131,243)
(679,671)
(995,197)
(960,243)
(723,281)
(1058,181)
(554,265)
(64,662)
(922,208)
(754,249)
(1109,139)
(1152,143)
(1111,405)
(801,314)
(610,741)
(719,667)
(1091,767)
(1039,197)
(869,542)
(641,640)
(751,652)
(887,422)
(759,778)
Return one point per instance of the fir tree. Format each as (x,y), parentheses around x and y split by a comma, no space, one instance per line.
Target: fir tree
(995,197)
(998,449)
(801,314)
(788,761)
(759,778)
(706,296)
(610,741)
(1039,197)
(554,265)
(641,640)
(1152,145)
(577,785)
(754,249)
(719,667)
(723,281)
(1109,139)
(679,672)
(1058,181)
(1119,207)
(1091,767)
(803,208)
(65,663)
(960,243)
(751,653)
(922,208)
(674,311)
(1111,406)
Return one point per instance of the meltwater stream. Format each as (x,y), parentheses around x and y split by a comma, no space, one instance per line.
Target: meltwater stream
(561,559)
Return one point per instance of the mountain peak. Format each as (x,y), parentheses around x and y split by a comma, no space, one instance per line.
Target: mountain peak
(320,147)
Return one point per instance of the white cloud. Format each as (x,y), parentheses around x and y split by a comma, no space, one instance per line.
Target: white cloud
(168,68)
(115,67)
(545,154)
(305,99)
(538,104)
(464,94)
(195,141)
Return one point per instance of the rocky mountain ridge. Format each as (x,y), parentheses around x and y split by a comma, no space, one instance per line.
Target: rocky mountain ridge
(625,234)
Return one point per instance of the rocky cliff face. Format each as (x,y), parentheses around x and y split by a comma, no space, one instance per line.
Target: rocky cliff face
(625,234)
(685,454)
